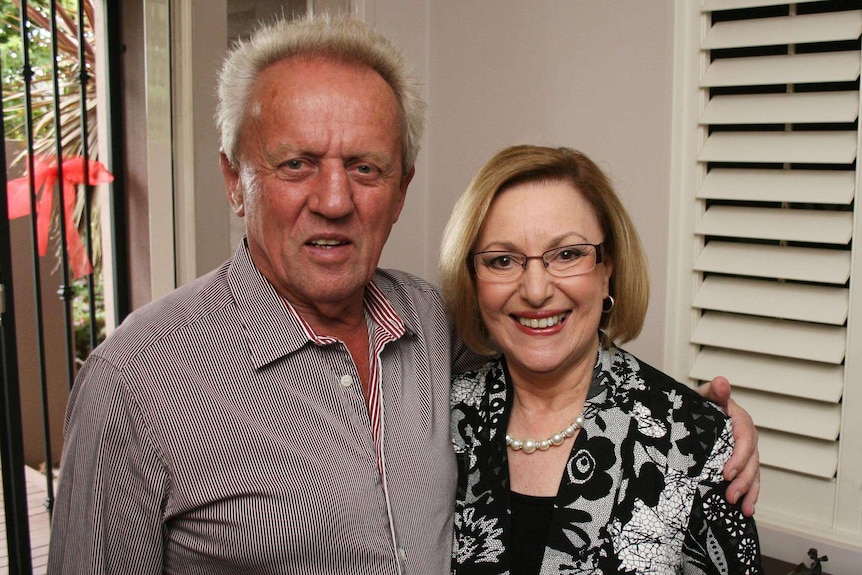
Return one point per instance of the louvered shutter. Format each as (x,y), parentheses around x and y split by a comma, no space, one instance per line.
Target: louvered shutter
(774,265)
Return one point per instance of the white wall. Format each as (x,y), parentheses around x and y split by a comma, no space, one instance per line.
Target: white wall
(588,74)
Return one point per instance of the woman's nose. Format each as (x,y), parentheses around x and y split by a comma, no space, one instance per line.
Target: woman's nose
(537,283)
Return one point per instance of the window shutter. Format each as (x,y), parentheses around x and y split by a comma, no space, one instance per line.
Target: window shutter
(778,124)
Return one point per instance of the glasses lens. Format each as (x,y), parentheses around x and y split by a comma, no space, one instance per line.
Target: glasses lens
(571,260)
(498,265)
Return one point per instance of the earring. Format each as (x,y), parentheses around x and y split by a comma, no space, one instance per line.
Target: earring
(607,304)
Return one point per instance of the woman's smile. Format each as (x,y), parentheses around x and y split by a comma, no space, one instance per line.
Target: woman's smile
(542,323)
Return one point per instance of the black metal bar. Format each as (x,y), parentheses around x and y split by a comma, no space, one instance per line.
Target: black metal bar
(65,292)
(114,50)
(37,274)
(31,169)
(83,80)
(11,438)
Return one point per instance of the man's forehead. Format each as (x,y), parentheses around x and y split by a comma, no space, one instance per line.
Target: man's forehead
(330,64)
(350,81)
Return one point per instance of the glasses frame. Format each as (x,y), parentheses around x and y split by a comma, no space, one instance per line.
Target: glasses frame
(471,261)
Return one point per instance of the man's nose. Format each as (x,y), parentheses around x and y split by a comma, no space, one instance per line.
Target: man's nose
(332,196)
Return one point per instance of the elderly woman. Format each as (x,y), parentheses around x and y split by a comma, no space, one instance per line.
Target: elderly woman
(574,456)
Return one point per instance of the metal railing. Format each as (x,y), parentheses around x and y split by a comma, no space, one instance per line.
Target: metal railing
(43,370)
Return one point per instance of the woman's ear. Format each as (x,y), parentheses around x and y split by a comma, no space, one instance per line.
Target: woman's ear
(233,186)
(608,265)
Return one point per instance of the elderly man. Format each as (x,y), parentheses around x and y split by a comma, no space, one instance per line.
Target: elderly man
(288,412)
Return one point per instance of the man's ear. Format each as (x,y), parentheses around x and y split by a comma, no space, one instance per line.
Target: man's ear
(233,186)
(402,189)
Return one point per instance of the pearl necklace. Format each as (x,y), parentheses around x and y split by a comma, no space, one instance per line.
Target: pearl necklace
(529,446)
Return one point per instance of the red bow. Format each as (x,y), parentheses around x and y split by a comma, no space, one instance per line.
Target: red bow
(45,175)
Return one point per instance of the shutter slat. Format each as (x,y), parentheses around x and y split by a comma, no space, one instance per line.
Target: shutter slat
(777,262)
(716,5)
(783,493)
(805,379)
(779,100)
(800,186)
(826,27)
(780,300)
(796,108)
(780,147)
(792,69)
(791,415)
(799,454)
(813,226)
(783,338)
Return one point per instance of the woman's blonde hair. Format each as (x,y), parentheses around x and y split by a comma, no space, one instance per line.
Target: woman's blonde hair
(629,284)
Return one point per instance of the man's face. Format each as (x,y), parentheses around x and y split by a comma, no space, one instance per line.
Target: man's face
(320,182)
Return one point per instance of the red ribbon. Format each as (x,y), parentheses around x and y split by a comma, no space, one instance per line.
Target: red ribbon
(45,175)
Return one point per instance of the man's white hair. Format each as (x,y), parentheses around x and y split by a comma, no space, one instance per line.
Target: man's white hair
(342,39)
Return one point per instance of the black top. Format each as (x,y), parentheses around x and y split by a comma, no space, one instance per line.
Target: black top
(531,524)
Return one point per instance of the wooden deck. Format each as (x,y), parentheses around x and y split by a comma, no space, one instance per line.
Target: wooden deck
(39,524)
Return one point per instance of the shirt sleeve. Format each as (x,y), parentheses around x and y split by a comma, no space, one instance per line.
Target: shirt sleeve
(113,482)
(719,538)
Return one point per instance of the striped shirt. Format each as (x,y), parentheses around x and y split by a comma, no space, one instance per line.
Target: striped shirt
(215,433)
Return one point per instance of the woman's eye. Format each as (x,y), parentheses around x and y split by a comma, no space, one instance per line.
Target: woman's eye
(569,254)
(500,262)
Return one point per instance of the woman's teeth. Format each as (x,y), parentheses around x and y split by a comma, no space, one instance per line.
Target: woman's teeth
(541,323)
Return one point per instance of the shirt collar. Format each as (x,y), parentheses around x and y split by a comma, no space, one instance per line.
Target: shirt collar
(379,312)
(274,329)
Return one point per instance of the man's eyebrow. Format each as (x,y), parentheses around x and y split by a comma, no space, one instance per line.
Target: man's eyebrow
(285,150)
(376,157)
(277,154)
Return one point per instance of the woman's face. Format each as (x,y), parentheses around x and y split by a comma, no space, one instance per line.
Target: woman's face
(532,218)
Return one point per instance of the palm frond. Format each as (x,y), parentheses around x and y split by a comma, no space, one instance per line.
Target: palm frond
(48,112)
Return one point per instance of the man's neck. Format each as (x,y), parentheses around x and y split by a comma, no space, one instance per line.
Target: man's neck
(348,325)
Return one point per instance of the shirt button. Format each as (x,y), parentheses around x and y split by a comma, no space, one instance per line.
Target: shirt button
(402,553)
(346,381)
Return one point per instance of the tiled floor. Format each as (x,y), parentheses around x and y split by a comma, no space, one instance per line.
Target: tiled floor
(39,524)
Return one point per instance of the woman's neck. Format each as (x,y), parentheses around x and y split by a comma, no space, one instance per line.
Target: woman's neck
(545,393)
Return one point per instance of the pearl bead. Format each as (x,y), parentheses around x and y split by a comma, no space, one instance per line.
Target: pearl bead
(530,446)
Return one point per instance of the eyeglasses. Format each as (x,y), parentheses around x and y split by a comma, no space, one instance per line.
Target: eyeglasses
(562,262)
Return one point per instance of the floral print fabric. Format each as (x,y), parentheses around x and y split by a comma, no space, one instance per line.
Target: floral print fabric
(642,491)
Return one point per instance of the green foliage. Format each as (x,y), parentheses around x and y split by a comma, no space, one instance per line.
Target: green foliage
(45,115)
(81,314)
(42,87)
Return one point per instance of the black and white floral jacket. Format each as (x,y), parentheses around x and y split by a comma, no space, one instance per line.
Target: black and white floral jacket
(642,491)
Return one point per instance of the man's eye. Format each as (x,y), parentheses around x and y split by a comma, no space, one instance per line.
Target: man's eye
(365,169)
(293,164)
